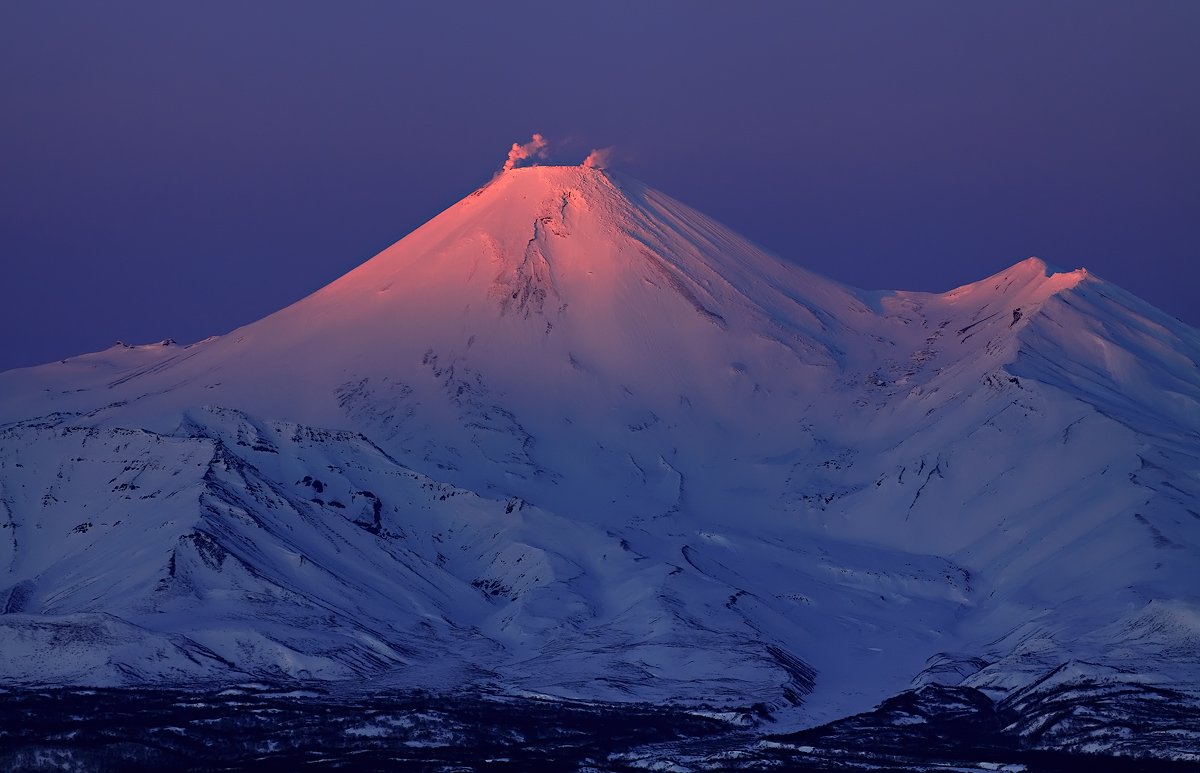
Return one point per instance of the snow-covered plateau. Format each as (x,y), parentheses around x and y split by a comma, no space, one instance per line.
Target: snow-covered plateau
(572,439)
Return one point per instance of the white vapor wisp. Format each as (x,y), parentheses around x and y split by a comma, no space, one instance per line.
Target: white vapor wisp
(600,158)
(535,148)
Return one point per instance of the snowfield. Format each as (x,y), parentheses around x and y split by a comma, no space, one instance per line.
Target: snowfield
(572,438)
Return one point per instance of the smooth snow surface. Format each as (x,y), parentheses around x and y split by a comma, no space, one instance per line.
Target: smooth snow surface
(573,438)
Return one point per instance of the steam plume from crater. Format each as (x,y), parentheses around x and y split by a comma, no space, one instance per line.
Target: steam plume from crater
(599,158)
(535,148)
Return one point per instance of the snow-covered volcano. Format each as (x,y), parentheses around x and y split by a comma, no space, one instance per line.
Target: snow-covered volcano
(574,438)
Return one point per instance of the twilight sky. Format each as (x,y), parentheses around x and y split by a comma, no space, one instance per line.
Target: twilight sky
(173,169)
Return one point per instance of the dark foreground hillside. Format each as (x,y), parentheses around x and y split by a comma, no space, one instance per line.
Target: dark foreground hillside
(266,728)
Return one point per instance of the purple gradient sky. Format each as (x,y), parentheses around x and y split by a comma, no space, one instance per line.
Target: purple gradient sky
(176,170)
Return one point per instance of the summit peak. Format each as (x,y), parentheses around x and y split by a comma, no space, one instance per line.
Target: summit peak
(554,175)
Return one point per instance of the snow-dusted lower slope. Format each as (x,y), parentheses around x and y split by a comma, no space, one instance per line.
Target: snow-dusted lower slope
(572,437)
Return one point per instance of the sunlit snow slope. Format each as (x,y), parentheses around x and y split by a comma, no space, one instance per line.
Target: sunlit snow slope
(573,437)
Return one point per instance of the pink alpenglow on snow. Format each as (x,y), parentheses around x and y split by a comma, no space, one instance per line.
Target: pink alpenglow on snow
(535,148)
